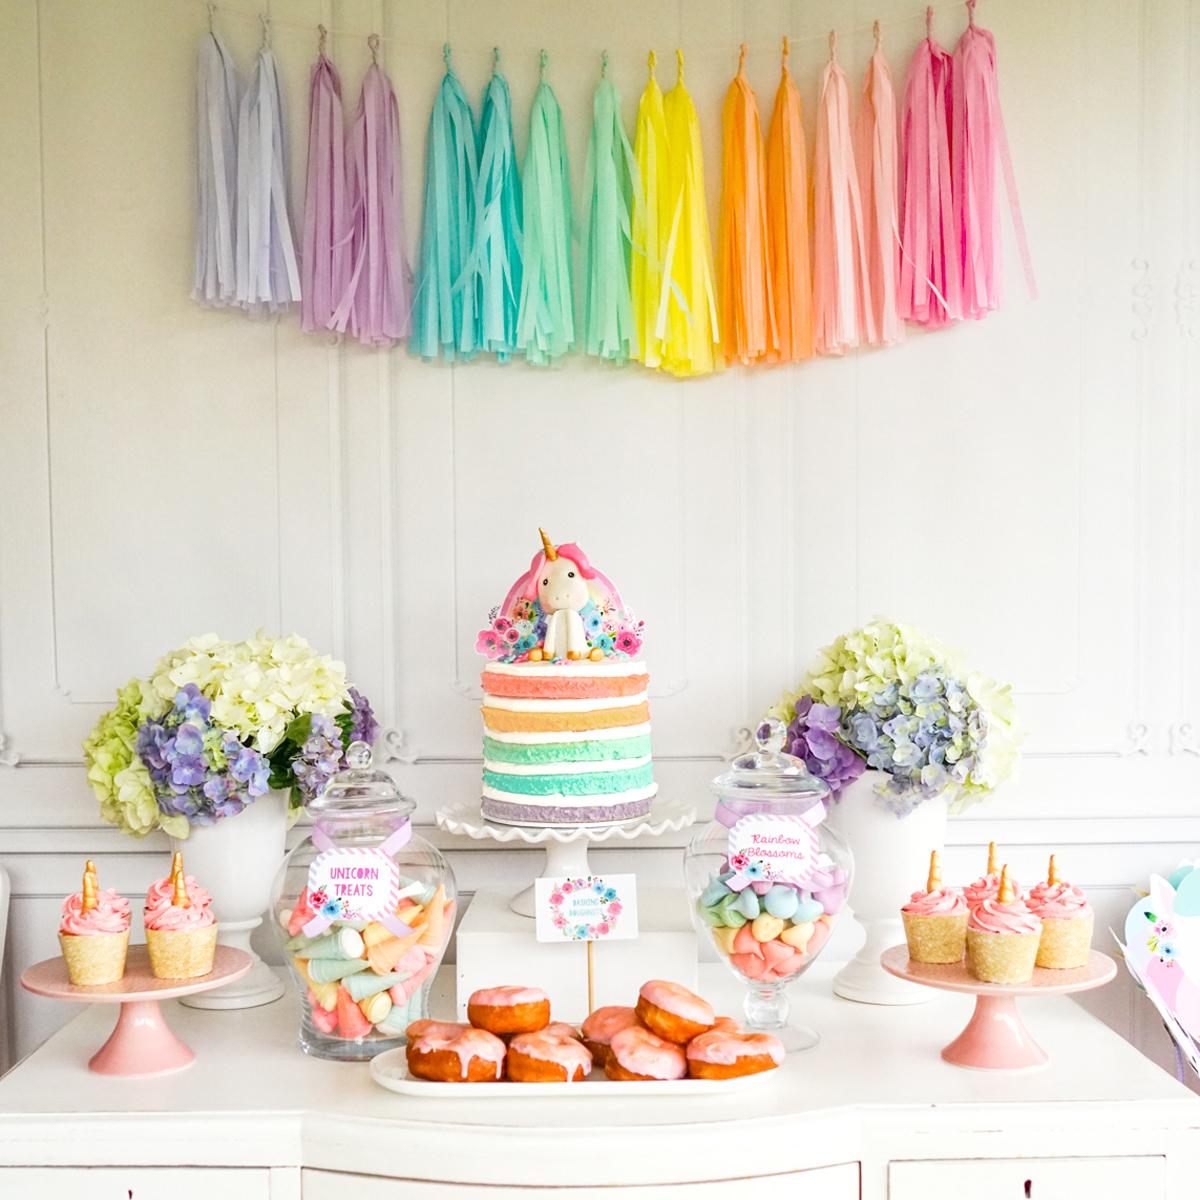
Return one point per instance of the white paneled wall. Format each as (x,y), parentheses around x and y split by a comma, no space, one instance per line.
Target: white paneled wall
(1023,486)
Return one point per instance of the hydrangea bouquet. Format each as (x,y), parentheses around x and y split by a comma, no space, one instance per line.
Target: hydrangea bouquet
(891,698)
(219,724)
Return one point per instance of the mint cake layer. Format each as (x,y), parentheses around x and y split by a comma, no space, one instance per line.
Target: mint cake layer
(586,751)
(583,783)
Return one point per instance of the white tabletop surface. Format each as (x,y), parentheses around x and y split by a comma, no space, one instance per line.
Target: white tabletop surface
(253,1098)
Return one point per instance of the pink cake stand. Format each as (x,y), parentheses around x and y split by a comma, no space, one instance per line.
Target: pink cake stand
(141,1043)
(995,1039)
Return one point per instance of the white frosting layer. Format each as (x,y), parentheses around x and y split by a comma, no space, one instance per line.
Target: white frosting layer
(560,801)
(565,768)
(565,736)
(583,669)
(528,704)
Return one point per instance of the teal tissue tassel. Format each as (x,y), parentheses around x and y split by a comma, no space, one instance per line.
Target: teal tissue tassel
(613,183)
(498,221)
(546,325)
(445,315)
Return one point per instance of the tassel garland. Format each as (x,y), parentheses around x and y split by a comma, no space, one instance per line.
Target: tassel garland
(614,187)
(214,279)
(747,309)
(877,177)
(787,214)
(498,221)
(376,304)
(651,220)
(930,269)
(687,312)
(445,314)
(978,140)
(268,278)
(839,282)
(546,324)
(325,263)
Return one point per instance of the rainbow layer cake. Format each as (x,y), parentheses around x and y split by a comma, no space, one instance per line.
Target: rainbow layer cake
(565,711)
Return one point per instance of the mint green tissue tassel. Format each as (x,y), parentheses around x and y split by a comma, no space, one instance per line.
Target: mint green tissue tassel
(546,325)
(498,221)
(612,181)
(445,313)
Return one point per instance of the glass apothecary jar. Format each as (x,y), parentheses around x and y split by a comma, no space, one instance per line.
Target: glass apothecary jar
(364,908)
(768,878)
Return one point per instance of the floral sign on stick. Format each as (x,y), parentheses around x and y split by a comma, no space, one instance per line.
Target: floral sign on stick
(586,909)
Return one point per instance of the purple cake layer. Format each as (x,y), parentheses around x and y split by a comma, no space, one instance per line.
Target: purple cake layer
(581,814)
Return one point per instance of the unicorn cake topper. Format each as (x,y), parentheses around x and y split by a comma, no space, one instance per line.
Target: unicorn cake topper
(561,609)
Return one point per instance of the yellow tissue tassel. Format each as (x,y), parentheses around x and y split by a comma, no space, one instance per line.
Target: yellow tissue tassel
(748,331)
(651,220)
(687,308)
(787,213)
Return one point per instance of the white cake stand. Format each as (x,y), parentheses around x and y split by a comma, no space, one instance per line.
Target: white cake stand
(566,847)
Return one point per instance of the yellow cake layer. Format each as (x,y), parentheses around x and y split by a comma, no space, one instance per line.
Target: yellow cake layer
(509,721)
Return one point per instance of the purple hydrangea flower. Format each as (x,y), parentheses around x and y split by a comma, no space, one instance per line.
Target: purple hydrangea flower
(813,737)
(320,757)
(365,728)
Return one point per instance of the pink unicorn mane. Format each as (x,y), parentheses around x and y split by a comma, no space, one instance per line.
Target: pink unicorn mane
(566,550)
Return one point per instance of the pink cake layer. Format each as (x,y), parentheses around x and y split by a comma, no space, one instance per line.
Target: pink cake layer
(560,687)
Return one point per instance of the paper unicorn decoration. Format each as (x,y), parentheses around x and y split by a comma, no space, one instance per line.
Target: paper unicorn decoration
(562,608)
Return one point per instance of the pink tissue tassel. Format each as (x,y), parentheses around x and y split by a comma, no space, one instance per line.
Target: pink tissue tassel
(930,269)
(878,176)
(376,305)
(978,140)
(839,273)
(325,270)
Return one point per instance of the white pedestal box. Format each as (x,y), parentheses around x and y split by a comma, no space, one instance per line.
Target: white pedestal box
(496,947)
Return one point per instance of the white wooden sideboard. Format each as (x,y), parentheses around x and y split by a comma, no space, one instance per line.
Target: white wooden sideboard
(870,1113)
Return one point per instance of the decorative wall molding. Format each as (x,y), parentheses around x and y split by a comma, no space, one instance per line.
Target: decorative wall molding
(1139,740)
(1145,303)
(1187,298)
(1185,739)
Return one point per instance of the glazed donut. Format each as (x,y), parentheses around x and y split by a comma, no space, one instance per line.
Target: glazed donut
(449,1053)
(599,1028)
(721,1054)
(673,1012)
(504,1010)
(725,1025)
(551,1055)
(636,1053)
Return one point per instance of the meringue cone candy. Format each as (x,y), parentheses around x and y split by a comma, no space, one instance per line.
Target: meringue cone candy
(93,943)
(935,922)
(181,937)
(1003,936)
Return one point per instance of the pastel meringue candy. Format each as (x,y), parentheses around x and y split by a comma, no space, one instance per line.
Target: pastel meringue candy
(798,936)
(781,901)
(766,928)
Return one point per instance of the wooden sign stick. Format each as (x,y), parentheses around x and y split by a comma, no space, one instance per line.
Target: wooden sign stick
(591,986)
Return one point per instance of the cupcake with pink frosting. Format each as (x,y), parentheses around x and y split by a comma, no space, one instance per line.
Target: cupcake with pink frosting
(181,931)
(94,934)
(1003,936)
(935,920)
(1067,920)
(987,886)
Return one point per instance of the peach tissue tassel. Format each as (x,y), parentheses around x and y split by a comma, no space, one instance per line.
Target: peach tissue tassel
(181,931)
(94,933)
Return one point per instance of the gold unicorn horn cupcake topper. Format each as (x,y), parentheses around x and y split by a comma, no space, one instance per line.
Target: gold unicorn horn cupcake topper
(1006,895)
(551,553)
(90,899)
(180,898)
(992,866)
(1052,875)
(934,883)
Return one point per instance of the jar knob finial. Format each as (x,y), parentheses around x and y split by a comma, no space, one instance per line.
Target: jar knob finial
(771,735)
(358,756)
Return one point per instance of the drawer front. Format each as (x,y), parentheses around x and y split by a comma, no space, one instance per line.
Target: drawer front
(134,1183)
(1030,1178)
(822,1183)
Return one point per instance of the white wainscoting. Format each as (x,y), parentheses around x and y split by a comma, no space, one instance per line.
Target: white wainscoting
(1023,486)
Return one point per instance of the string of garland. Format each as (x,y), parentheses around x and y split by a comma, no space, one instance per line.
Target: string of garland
(909,235)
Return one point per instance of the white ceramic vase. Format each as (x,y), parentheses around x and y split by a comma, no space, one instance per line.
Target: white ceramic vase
(235,861)
(891,861)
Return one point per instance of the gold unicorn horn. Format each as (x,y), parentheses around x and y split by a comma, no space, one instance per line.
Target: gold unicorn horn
(1052,875)
(1007,895)
(89,900)
(180,898)
(551,553)
(991,858)
(934,883)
